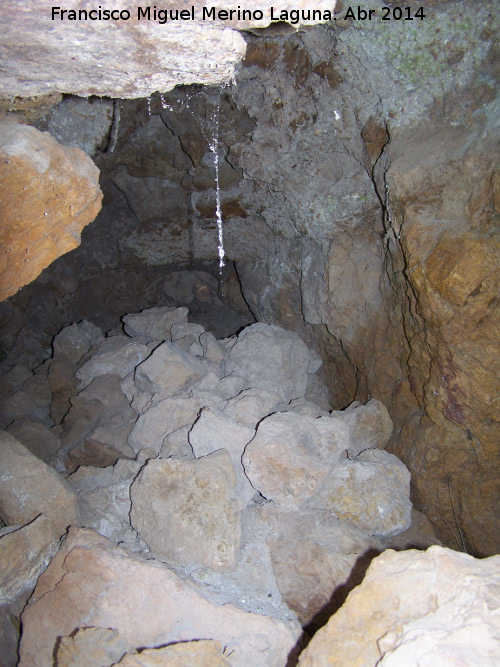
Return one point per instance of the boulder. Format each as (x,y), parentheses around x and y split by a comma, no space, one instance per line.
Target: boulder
(49,193)
(38,438)
(213,431)
(153,324)
(370,425)
(90,646)
(167,370)
(270,358)
(29,487)
(202,653)
(372,491)
(187,511)
(251,405)
(437,607)
(104,499)
(25,552)
(292,455)
(161,419)
(75,340)
(316,560)
(96,429)
(93,583)
(63,385)
(116,355)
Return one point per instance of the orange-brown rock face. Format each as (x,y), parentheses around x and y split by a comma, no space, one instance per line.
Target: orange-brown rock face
(443,202)
(48,193)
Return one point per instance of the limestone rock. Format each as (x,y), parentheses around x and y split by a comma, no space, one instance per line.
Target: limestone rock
(187,511)
(167,370)
(202,653)
(212,349)
(75,340)
(160,420)
(291,456)
(96,429)
(251,405)
(316,559)
(213,431)
(434,607)
(104,499)
(372,491)
(82,123)
(38,438)
(49,193)
(25,552)
(186,334)
(63,386)
(90,582)
(153,323)
(270,358)
(17,406)
(29,487)
(90,646)
(370,426)
(117,355)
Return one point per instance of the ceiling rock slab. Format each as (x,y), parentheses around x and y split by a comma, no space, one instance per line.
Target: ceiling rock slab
(127,58)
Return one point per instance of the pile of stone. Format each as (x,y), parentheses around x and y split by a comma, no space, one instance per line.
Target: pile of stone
(209,496)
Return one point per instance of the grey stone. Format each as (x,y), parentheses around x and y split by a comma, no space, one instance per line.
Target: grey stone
(161,419)
(117,355)
(29,487)
(81,123)
(214,431)
(372,491)
(187,511)
(168,370)
(25,553)
(153,324)
(251,405)
(116,590)
(270,358)
(75,340)
(292,455)
(370,426)
(42,441)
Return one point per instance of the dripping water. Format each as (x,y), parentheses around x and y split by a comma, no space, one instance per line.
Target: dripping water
(214,147)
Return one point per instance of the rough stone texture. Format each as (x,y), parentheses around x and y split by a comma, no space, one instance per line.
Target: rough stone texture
(153,323)
(371,491)
(116,355)
(29,487)
(104,499)
(101,647)
(38,438)
(167,370)
(49,193)
(443,199)
(97,427)
(438,607)
(213,431)
(187,511)
(370,426)
(316,559)
(89,583)
(251,405)
(25,552)
(270,358)
(203,653)
(92,117)
(159,55)
(291,456)
(74,341)
(161,419)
